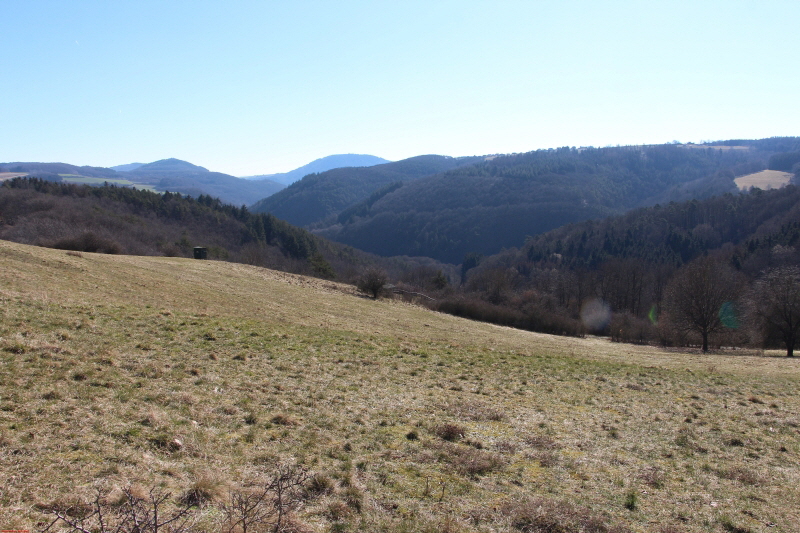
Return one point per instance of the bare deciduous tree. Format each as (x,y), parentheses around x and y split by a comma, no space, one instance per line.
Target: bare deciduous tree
(702,298)
(372,281)
(776,305)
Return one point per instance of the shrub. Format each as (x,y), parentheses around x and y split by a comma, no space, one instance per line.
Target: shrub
(318,485)
(473,462)
(353,498)
(547,459)
(626,327)
(450,432)
(653,476)
(134,513)
(531,316)
(542,442)
(474,410)
(631,500)
(88,242)
(268,501)
(372,281)
(544,515)
(204,489)
(283,420)
(337,511)
(742,475)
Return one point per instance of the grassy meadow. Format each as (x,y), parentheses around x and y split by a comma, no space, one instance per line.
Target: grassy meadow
(766,179)
(88,180)
(199,377)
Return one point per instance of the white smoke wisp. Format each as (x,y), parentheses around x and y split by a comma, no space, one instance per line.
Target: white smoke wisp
(595,315)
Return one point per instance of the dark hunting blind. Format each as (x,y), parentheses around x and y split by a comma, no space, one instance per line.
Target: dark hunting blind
(200,252)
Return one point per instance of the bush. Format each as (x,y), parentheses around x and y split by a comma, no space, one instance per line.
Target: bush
(450,432)
(531,316)
(88,242)
(545,515)
(372,281)
(473,462)
(626,327)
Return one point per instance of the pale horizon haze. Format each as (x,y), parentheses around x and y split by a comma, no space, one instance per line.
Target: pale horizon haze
(257,87)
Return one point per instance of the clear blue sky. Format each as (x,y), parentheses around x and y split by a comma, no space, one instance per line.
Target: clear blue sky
(251,87)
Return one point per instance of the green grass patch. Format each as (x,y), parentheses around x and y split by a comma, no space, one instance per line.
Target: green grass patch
(88,180)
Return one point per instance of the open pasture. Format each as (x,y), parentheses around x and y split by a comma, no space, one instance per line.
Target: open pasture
(766,179)
(123,371)
(88,180)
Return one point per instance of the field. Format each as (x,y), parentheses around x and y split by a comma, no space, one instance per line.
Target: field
(720,147)
(11,175)
(200,377)
(766,179)
(87,180)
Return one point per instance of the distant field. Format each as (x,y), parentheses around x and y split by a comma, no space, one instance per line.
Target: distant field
(11,175)
(766,179)
(715,147)
(86,180)
(200,376)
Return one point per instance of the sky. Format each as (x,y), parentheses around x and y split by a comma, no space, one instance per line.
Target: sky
(257,87)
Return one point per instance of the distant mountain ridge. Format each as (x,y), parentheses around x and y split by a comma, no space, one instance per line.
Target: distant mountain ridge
(58,169)
(181,176)
(126,168)
(172,175)
(170,165)
(322,164)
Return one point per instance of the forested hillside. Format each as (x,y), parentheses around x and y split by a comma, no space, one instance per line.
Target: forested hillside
(55,169)
(183,177)
(628,276)
(678,232)
(129,221)
(496,203)
(322,164)
(319,196)
(122,220)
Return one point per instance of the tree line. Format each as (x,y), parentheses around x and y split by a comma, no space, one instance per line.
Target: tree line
(717,272)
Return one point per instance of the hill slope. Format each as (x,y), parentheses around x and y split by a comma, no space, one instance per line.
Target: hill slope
(60,168)
(180,176)
(319,196)
(496,203)
(323,164)
(171,175)
(120,370)
(170,165)
(126,167)
(126,221)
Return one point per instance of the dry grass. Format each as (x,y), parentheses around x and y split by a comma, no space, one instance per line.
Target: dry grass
(11,175)
(197,376)
(766,179)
